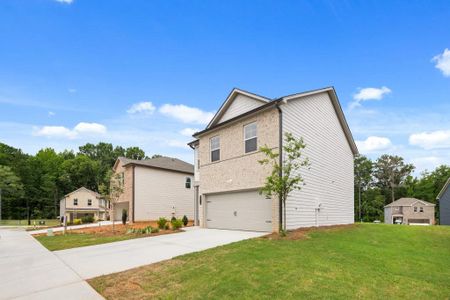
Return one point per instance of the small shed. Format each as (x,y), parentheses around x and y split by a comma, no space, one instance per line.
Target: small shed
(444,204)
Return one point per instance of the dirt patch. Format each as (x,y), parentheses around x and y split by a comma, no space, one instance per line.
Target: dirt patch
(119,229)
(303,233)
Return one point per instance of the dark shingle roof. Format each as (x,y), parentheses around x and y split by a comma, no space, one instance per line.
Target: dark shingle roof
(408,202)
(166,163)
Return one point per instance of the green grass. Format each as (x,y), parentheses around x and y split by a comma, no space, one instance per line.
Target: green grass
(368,261)
(73,240)
(48,222)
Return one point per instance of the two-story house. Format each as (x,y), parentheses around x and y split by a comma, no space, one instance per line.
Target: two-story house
(228,176)
(409,211)
(154,188)
(83,202)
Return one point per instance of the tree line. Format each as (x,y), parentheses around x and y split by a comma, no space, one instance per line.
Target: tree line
(388,178)
(32,185)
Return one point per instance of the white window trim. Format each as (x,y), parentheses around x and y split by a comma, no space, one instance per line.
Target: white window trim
(255,136)
(211,148)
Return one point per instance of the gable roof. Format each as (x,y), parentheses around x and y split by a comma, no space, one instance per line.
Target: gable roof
(279,101)
(226,104)
(408,202)
(444,188)
(165,163)
(83,188)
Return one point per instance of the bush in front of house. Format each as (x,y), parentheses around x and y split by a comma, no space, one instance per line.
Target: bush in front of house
(77,221)
(162,223)
(185,220)
(124,216)
(177,224)
(173,219)
(87,219)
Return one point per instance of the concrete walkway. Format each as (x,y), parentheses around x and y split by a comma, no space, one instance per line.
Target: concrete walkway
(30,271)
(61,228)
(93,261)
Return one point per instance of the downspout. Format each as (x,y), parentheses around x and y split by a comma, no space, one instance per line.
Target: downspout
(280,162)
(132,198)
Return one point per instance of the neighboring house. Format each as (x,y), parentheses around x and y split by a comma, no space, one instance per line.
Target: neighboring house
(444,204)
(410,211)
(83,202)
(228,176)
(154,188)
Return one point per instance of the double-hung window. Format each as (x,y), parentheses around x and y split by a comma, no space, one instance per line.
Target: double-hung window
(250,137)
(89,202)
(187,184)
(215,148)
(75,201)
(421,209)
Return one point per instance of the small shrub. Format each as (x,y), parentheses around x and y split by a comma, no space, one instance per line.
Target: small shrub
(148,230)
(87,219)
(162,223)
(124,216)
(155,230)
(166,227)
(130,230)
(173,219)
(185,220)
(77,222)
(177,224)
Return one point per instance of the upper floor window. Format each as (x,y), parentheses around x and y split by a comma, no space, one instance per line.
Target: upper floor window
(250,138)
(89,202)
(75,201)
(188,183)
(415,209)
(421,209)
(215,148)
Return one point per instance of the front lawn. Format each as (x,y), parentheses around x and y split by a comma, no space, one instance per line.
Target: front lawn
(96,235)
(374,261)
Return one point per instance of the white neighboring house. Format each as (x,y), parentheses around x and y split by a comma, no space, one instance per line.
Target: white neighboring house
(228,176)
(84,202)
(154,188)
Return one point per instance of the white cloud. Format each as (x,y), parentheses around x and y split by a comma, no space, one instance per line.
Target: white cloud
(142,107)
(186,114)
(51,114)
(72,91)
(65,1)
(374,144)
(54,131)
(443,62)
(431,140)
(81,128)
(177,144)
(89,128)
(367,94)
(189,131)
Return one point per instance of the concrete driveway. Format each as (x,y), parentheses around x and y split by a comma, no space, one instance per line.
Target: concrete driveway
(30,271)
(93,261)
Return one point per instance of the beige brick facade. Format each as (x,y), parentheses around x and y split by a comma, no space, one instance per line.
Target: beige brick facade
(237,170)
(127,195)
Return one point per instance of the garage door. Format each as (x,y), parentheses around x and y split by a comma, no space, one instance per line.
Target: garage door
(241,211)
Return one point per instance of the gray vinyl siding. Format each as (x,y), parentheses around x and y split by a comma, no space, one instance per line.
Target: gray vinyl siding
(159,193)
(241,104)
(329,181)
(444,208)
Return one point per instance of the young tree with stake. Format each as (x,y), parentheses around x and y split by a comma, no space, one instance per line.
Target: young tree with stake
(285,177)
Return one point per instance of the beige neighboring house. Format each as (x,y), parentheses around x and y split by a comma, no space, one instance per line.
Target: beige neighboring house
(84,202)
(228,176)
(154,188)
(409,211)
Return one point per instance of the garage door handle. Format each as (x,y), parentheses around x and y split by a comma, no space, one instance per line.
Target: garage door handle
(208,220)
(268,221)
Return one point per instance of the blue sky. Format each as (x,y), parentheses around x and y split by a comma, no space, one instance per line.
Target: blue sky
(147,73)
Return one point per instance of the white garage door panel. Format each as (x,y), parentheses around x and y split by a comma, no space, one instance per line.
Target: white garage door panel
(241,211)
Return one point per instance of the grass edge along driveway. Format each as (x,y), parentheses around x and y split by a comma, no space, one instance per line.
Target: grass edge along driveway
(373,261)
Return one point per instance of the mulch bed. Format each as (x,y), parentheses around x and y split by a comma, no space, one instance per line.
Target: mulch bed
(302,233)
